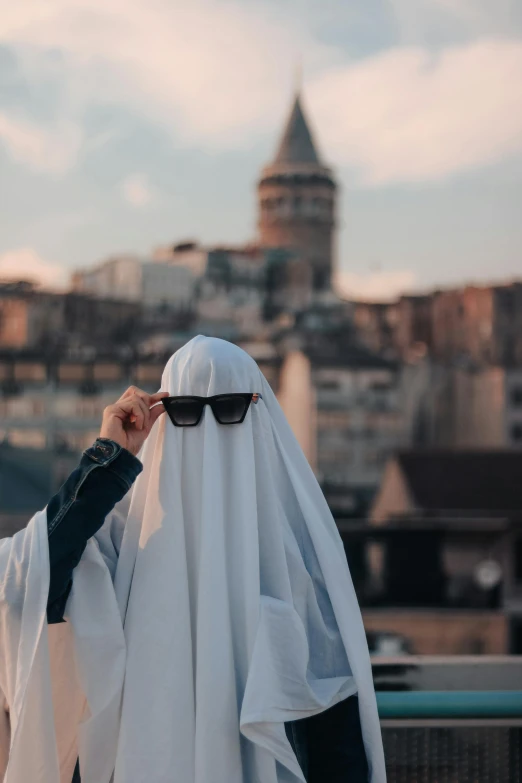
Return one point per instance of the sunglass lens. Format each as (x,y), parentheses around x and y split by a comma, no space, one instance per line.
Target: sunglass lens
(185,413)
(229,410)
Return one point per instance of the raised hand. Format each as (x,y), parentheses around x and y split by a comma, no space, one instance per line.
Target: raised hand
(129,420)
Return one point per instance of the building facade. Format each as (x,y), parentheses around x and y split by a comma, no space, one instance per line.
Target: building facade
(133,279)
(345,407)
(463,407)
(477,325)
(445,554)
(53,322)
(57,402)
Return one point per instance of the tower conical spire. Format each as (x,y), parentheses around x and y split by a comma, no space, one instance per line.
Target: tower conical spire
(297,145)
(297,200)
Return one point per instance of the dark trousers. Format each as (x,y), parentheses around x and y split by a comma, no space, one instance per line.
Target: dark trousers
(329,746)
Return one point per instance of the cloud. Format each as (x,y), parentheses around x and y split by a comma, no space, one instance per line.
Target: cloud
(439,20)
(375,286)
(137,191)
(410,116)
(25,264)
(46,150)
(212,74)
(210,69)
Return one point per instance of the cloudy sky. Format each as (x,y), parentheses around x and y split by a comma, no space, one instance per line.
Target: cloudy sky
(125,124)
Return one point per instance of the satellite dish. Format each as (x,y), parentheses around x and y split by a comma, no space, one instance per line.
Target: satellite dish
(488,574)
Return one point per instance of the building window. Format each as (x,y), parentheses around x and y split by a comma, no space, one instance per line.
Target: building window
(71,372)
(333,465)
(333,419)
(30,372)
(107,372)
(516,432)
(516,396)
(89,408)
(384,422)
(518,560)
(375,457)
(328,384)
(21,408)
(332,475)
(335,456)
(32,439)
(38,407)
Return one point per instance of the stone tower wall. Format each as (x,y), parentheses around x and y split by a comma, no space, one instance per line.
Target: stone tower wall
(299,213)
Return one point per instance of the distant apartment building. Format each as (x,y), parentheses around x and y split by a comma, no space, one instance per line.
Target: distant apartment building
(463,325)
(462,407)
(444,552)
(133,279)
(222,289)
(231,294)
(480,325)
(345,407)
(343,403)
(35,319)
(481,409)
(190,255)
(28,317)
(401,329)
(375,324)
(58,402)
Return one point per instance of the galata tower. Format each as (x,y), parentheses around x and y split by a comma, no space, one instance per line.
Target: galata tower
(296,204)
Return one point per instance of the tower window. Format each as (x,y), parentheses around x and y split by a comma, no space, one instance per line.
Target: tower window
(516,432)
(320,205)
(281,205)
(298,201)
(516,396)
(518,560)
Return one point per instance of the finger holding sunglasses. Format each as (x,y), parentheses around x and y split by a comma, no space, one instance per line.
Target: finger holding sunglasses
(146,401)
(140,414)
(129,421)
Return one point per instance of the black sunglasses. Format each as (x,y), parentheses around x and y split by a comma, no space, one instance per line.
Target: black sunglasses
(227,408)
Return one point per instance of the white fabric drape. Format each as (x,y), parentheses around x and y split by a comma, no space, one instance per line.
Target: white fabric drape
(238,608)
(72,673)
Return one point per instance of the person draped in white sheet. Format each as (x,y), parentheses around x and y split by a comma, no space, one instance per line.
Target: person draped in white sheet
(238,611)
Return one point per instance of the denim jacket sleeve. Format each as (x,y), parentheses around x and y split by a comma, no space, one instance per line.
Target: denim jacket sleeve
(105,474)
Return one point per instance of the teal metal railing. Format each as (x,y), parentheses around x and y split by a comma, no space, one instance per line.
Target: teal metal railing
(449,704)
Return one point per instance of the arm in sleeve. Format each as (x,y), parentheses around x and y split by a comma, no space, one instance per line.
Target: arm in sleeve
(105,474)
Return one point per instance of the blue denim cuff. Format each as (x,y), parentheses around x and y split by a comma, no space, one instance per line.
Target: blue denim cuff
(109,453)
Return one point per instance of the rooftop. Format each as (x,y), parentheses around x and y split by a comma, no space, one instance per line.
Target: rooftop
(464,480)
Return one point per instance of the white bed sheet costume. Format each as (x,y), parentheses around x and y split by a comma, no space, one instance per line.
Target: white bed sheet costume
(224,609)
